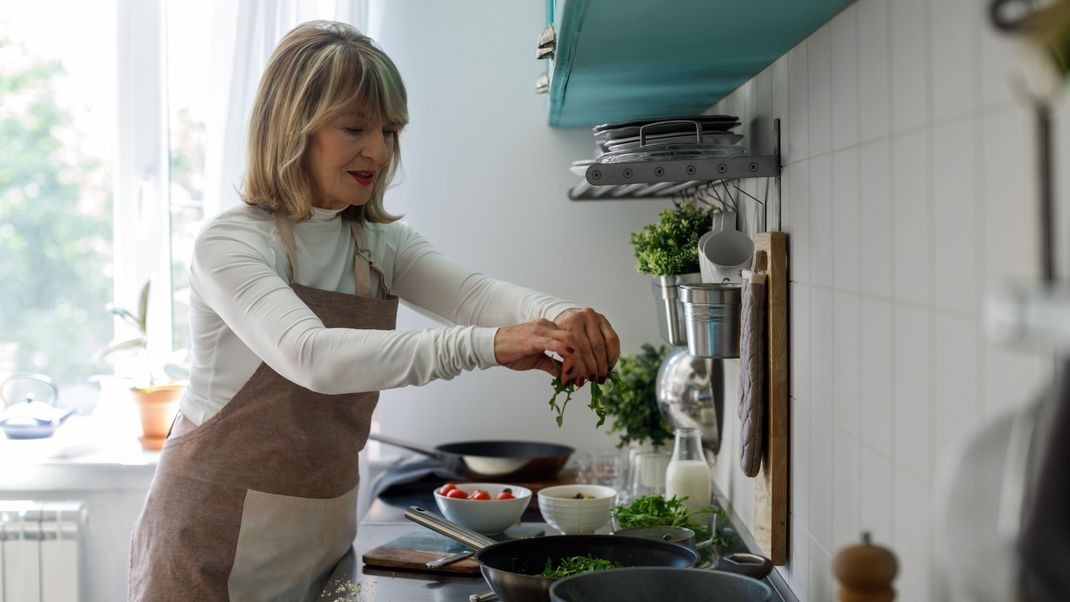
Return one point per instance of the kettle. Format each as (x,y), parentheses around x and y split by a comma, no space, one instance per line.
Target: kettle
(25,417)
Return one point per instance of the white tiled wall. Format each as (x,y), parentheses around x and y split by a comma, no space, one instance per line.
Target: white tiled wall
(907,192)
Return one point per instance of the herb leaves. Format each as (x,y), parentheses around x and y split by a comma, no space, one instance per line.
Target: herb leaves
(570,565)
(568,390)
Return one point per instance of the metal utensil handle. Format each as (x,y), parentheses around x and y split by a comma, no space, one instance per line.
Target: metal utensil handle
(441,562)
(698,130)
(484,597)
(444,527)
(427,451)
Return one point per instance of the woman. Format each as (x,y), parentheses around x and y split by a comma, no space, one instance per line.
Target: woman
(293,307)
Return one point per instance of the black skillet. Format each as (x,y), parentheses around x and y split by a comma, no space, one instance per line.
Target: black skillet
(509,461)
(512,568)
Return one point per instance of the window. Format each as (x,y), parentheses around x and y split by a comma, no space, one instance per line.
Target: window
(57,124)
(102,118)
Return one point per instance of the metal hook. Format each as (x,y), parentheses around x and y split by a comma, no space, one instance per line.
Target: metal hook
(762,203)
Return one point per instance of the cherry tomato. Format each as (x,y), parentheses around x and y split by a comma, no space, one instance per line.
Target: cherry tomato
(506,495)
(445,489)
(480,495)
(457,494)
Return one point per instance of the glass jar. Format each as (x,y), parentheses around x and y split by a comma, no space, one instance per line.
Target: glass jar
(688,474)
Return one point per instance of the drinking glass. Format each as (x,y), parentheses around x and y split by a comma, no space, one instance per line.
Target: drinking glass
(607,468)
(648,474)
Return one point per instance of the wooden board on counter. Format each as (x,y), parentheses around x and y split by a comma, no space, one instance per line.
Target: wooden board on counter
(414,550)
(771,484)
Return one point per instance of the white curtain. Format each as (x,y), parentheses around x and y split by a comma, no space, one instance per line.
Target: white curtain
(244,33)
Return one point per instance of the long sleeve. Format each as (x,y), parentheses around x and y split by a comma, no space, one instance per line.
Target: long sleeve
(234,273)
(436,283)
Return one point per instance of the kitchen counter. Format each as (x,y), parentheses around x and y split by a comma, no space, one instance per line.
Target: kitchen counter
(351,581)
(381,585)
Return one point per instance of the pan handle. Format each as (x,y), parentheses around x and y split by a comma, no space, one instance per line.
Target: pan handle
(444,527)
(413,447)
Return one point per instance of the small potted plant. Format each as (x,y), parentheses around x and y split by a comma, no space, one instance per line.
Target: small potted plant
(668,251)
(631,399)
(157,387)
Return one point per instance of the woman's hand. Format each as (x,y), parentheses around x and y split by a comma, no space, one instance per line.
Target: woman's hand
(524,346)
(597,348)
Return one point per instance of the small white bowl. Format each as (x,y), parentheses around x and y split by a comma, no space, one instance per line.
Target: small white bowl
(485,516)
(563,511)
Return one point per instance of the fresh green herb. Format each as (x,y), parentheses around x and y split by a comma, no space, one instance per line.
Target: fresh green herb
(571,565)
(632,399)
(568,390)
(656,511)
(671,246)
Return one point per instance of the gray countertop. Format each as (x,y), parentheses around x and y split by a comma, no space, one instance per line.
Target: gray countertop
(380,585)
(351,581)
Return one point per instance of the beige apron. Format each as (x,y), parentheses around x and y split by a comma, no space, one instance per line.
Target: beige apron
(259,502)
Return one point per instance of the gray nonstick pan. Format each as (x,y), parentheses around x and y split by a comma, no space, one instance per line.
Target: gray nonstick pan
(500,460)
(661,584)
(512,568)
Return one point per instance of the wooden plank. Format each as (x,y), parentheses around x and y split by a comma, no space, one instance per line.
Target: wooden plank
(771,484)
(392,557)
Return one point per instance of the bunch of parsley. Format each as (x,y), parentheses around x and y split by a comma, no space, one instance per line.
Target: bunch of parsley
(656,511)
(568,390)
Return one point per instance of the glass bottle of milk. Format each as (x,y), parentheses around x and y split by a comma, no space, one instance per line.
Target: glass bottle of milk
(688,474)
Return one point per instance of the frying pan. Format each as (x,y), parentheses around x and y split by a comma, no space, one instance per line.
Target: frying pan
(659,583)
(511,567)
(517,461)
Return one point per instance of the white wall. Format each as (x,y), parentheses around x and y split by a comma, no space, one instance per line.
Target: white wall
(485,180)
(909,189)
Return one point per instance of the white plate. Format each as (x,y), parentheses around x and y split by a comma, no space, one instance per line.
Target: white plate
(580,167)
(632,142)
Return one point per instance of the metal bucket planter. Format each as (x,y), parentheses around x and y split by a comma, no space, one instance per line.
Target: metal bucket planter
(671,324)
(712,319)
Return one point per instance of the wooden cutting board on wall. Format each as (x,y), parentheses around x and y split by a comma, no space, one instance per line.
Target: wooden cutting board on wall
(771,485)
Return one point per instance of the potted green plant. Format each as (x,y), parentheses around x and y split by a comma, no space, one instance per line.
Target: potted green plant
(631,399)
(157,387)
(668,252)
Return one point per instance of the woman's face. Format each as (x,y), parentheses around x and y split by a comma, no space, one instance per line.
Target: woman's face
(345,156)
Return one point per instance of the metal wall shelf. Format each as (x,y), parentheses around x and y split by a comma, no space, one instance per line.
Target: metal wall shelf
(669,178)
(662,179)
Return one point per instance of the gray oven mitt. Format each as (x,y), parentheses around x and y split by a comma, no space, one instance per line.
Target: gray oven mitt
(752,373)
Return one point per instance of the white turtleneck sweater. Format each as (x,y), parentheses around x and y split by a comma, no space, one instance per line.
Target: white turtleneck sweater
(243,311)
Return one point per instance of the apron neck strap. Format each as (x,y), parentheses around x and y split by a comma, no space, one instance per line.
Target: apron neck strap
(362,260)
(286,235)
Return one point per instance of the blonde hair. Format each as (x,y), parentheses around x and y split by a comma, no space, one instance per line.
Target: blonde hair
(319,70)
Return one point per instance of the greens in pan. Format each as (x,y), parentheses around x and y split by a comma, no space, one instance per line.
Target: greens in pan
(570,565)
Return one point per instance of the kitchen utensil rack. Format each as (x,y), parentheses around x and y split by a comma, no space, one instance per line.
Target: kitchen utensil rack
(672,177)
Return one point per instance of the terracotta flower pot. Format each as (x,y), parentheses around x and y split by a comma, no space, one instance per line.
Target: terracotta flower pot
(157,407)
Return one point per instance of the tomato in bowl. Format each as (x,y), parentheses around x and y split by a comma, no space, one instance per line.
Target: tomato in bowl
(484,507)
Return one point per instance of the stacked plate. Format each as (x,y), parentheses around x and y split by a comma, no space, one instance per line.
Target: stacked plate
(691,136)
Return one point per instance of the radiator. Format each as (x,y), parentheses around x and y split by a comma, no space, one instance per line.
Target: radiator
(39,550)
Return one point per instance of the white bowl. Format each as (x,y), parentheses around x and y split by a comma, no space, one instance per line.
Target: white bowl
(485,516)
(562,511)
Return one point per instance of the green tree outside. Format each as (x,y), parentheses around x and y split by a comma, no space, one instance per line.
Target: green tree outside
(55,229)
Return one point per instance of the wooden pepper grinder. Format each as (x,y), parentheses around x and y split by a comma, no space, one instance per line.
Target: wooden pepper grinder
(865,572)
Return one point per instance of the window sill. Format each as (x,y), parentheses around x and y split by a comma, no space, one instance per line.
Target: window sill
(86,453)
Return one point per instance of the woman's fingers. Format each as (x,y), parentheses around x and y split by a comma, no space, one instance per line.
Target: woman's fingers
(525,346)
(597,343)
(583,338)
(612,342)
